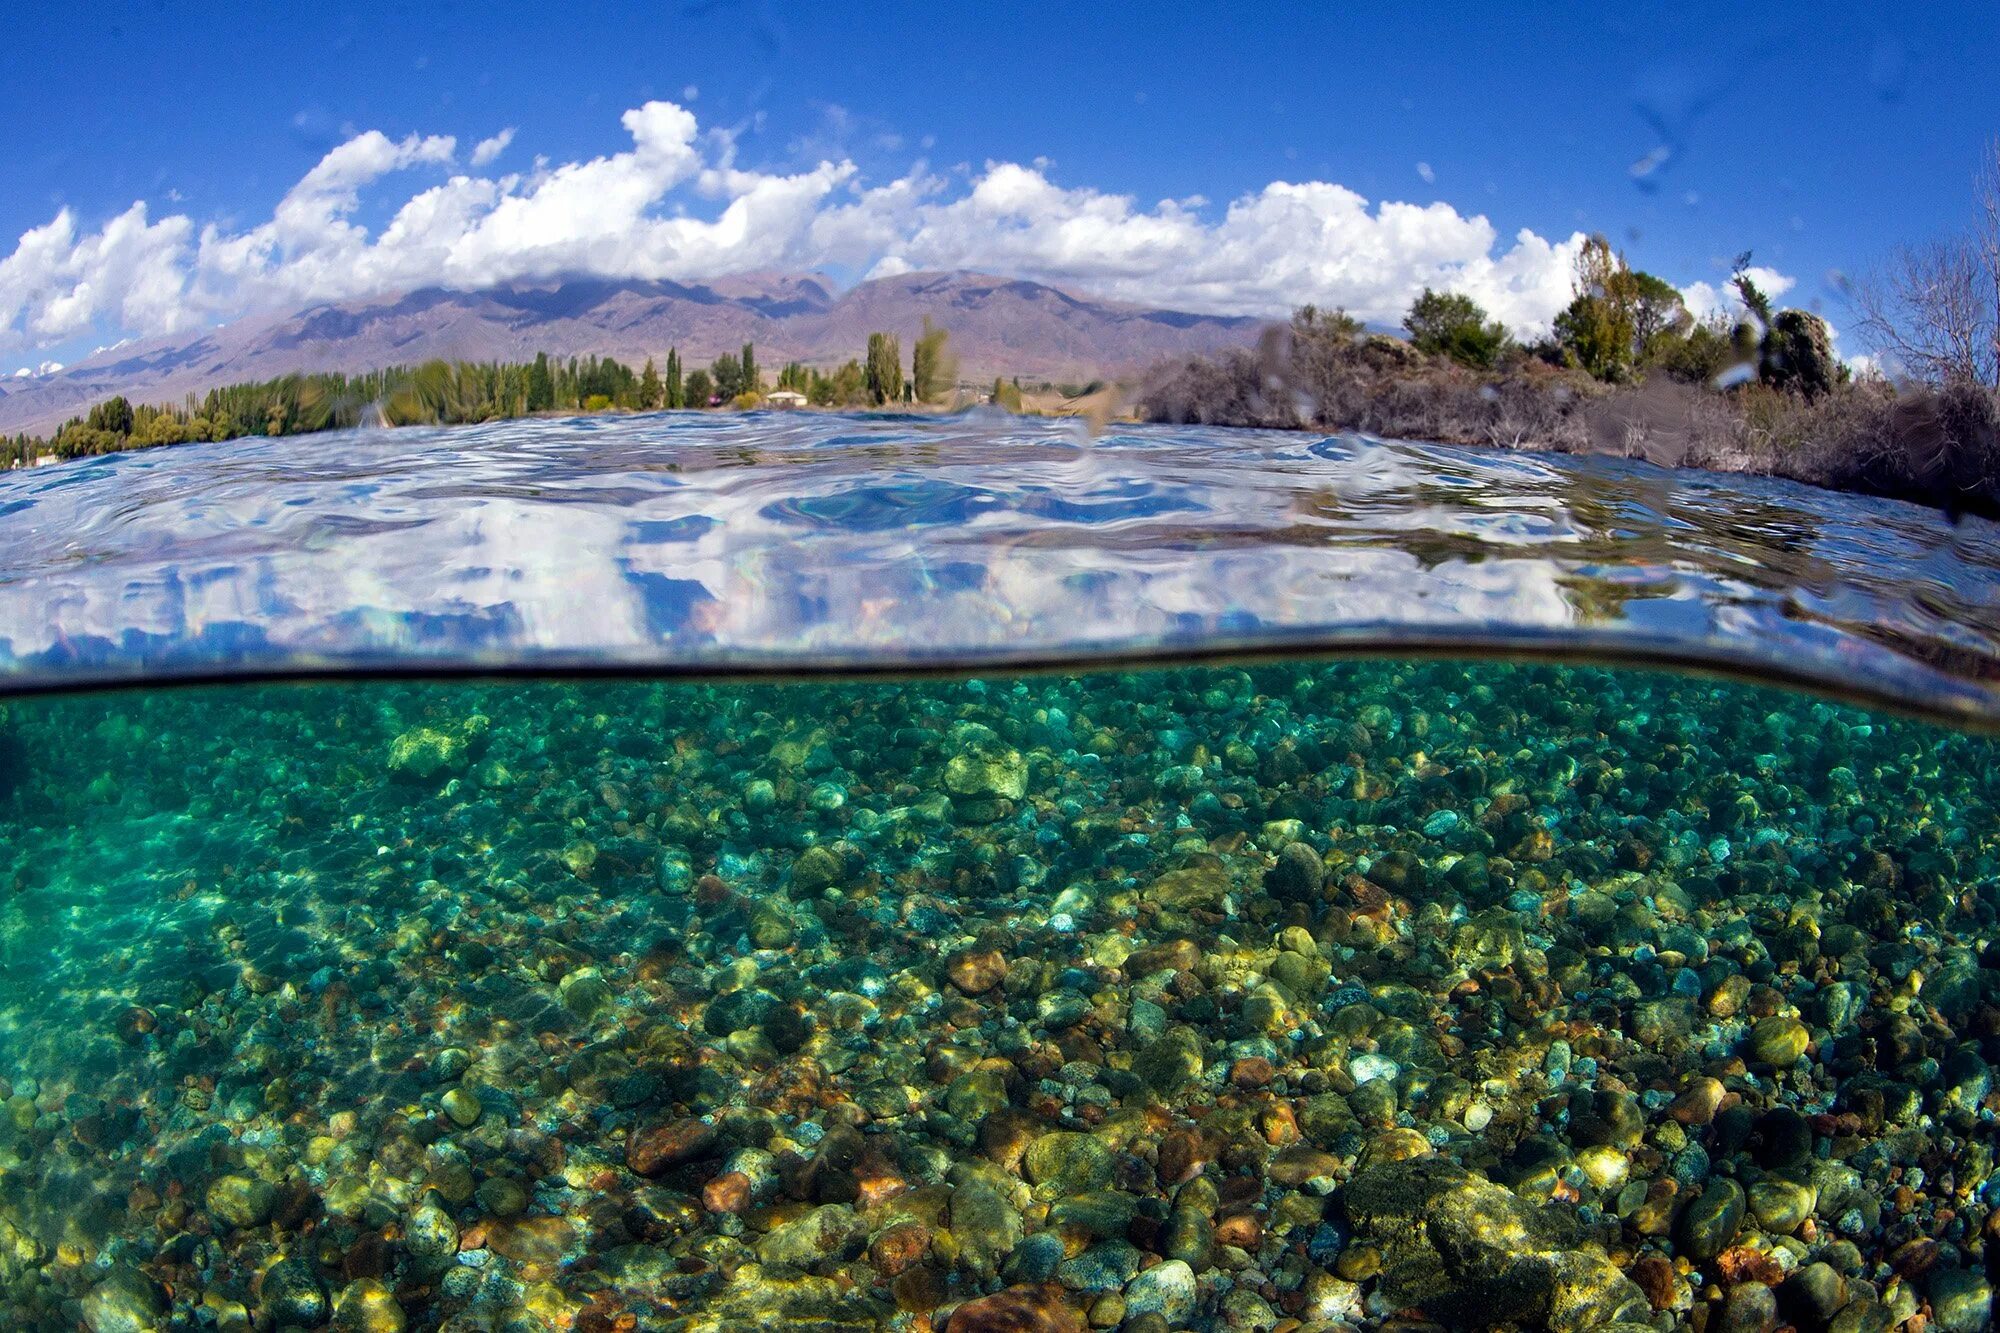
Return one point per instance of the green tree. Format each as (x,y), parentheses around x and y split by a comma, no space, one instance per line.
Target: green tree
(1659,316)
(848,386)
(933,369)
(1596,328)
(884,368)
(1754,300)
(752,381)
(1006,395)
(699,389)
(652,394)
(1451,324)
(541,385)
(727,372)
(112,416)
(673,389)
(1697,358)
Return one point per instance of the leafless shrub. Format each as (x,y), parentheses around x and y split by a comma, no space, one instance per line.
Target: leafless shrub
(1936,446)
(1934,310)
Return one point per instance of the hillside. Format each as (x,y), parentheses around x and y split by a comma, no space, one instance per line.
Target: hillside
(999,326)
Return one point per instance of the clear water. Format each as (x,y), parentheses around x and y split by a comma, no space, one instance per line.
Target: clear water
(1293,993)
(696,541)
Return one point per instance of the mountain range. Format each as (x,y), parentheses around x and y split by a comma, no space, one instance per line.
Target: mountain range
(999,326)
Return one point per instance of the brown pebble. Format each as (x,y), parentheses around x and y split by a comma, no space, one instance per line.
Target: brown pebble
(1243,1231)
(1741,1264)
(1252,1072)
(652,1149)
(727,1193)
(899,1248)
(1698,1104)
(976,971)
(1182,1155)
(1173,956)
(1037,1309)
(1655,1276)
(918,1289)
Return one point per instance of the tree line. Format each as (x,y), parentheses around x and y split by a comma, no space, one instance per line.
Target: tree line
(467,392)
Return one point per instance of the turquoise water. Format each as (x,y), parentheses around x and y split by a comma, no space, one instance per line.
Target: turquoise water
(1266,991)
(1216,992)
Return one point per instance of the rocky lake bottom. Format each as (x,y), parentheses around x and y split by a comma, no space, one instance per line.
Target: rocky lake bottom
(1313,996)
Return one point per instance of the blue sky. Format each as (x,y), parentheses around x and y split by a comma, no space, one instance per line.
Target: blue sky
(1818,136)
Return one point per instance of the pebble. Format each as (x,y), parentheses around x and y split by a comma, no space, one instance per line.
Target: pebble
(1167,1289)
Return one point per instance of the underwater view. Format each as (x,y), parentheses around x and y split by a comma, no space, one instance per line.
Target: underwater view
(1134,969)
(742,667)
(1308,995)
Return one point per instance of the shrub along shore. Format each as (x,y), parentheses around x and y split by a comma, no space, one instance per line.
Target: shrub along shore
(1626,371)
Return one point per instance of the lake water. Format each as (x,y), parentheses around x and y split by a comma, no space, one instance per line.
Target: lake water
(1151,968)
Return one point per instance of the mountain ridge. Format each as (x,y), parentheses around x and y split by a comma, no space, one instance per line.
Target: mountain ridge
(999,326)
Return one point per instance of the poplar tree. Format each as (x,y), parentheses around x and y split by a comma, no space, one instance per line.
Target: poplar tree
(885,368)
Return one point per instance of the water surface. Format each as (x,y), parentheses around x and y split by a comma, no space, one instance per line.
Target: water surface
(696,541)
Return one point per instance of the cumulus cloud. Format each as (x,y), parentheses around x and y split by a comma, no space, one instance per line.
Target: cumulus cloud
(677,204)
(488,149)
(1706,300)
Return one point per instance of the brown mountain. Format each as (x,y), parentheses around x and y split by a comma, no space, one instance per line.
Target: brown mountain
(999,326)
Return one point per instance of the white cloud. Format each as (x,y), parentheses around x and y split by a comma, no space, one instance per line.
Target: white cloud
(678,204)
(488,149)
(1424,170)
(1706,300)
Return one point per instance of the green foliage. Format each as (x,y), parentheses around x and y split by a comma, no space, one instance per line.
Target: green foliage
(541,385)
(1006,395)
(113,415)
(727,372)
(652,394)
(1706,350)
(699,388)
(884,368)
(1450,324)
(796,377)
(674,389)
(1754,300)
(933,368)
(1660,316)
(848,386)
(1597,327)
(752,381)
(1797,355)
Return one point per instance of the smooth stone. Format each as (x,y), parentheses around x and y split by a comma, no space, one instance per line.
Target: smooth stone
(1022,1309)
(367,1306)
(1750,1308)
(1713,1219)
(127,1301)
(291,1293)
(1298,874)
(1777,1042)
(462,1105)
(1781,1205)
(1961,1301)
(1166,1289)
(239,1202)
(1068,1163)
(829,1232)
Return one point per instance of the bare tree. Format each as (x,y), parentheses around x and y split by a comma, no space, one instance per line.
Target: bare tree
(1934,310)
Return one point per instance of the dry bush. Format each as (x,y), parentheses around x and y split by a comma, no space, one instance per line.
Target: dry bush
(1936,446)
